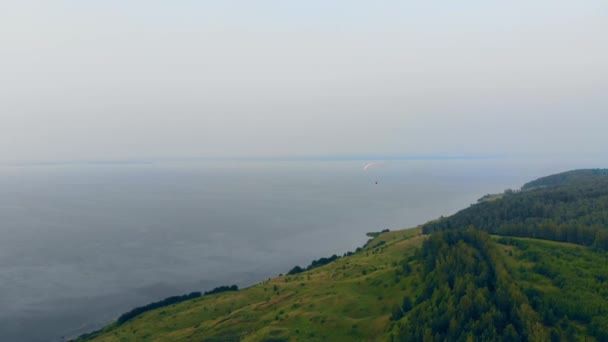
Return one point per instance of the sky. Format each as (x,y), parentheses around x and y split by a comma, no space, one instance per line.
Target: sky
(148,79)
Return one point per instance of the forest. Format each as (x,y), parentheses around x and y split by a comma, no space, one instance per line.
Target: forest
(467,294)
(475,287)
(569,207)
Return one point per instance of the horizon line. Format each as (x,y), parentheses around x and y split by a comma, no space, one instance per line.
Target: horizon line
(310,158)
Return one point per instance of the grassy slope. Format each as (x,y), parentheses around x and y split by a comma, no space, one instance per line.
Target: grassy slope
(352,298)
(349,299)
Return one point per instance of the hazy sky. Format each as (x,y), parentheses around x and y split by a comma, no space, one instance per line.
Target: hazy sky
(116,79)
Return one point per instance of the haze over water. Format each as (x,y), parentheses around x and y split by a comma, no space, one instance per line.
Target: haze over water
(82,244)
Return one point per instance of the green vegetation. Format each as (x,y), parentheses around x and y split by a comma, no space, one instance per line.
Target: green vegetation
(348,299)
(314,264)
(568,207)
(466,293)
(490,197)
(458,284)
(565,178)
(509,289)
(165,302)
(374,234)
(566,284)
(221,289)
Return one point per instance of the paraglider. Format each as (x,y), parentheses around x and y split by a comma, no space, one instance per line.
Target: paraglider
(373,164)
(369,167)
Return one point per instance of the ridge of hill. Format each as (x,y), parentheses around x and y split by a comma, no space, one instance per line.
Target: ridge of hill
(458,283)
(567,178)
(567,207)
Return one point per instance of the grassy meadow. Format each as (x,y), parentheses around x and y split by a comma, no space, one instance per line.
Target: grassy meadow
(352,298)
(348,299)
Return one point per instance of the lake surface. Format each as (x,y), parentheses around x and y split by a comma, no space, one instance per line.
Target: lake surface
(82,244)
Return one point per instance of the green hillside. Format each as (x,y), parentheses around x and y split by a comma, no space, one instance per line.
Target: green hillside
(567,178)
(349,299)
(567,207)
(457,284)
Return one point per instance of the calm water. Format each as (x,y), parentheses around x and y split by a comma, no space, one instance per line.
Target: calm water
(82,244)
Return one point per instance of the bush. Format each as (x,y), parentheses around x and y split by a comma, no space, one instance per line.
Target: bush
(165,302)
(295,270)
(221,289)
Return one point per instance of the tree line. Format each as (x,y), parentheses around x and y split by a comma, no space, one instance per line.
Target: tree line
(155,305)
(170,301)
(315,263)
(575,210)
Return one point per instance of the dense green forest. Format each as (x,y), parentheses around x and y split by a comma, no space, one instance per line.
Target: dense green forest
(568,177)
(505,289)
(566,285)
(568,207)
(467,294)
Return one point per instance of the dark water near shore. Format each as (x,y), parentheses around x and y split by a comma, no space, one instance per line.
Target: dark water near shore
(82,244)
